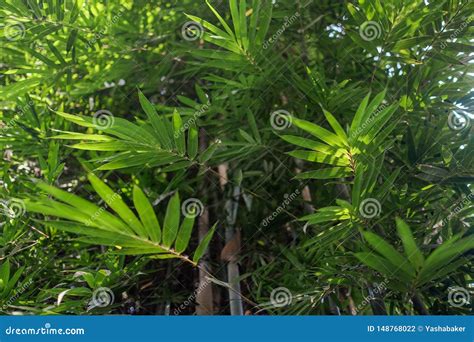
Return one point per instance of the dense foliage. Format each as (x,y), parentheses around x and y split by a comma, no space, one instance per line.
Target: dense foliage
(240,157)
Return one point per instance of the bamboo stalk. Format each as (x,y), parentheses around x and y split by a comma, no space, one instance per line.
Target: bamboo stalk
(204,297)
(232,247)
(233,239)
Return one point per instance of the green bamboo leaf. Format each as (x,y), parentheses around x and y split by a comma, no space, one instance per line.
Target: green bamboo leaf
(115,202)
(143,251)
(81,136)
(181,165)
(388,184)
(389,253)
(307,143)
(5,272)
(247,137)
(445,254)
(201,249)
(374,104)
(369,132)
(106,146)
(113,238)
(222,21)
(320,157)
(332,172)
(201,95)
(357,120)
(410,42)
(214,29)
(94,212)
(71,40)
(378,263)
(409,244)
(131,159)
(156,121)
(263,23)
(208,153)
(179,133)
(147,214)
(13,280)
(384,267)
(226,44)
(326,216)
(171,222)
(356,189)
(243,24)
(319,132)
(256,4)
(335,126)
(184,235)
(253,126)
(234,12)
(117,126)
(56,53)
(443,271)
(193,141)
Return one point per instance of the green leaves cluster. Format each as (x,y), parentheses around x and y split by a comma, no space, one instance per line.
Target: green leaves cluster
(157,143)
(8,281)
(131,234)
(414,270)
(372,124)
(243,43)
(365,140)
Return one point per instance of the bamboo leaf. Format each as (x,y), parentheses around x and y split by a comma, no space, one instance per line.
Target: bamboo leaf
(335,126)
(409,244)
(115,202)
(201,249)
(193,141)
(332,172)
(319,132)
(389,253)
(221,20)
(184,235)
(171,222)
(357,120)
(147,214)
(179,132)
